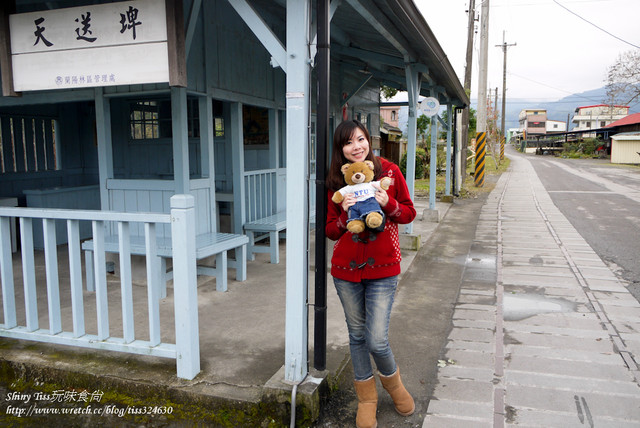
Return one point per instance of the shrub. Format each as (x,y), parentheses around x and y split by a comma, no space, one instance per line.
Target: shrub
(422,163)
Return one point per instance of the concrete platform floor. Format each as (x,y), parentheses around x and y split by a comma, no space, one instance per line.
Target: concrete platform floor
(242,335)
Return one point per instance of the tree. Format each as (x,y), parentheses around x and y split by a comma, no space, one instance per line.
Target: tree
(387,91)
(473,121)
(623,78)
(422,125)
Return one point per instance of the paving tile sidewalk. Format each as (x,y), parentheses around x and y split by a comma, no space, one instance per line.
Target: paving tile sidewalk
(553,340)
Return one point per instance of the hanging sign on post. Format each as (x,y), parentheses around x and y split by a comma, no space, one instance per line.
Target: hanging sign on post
(430,106)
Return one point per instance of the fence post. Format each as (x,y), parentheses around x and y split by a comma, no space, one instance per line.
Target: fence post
(185,293)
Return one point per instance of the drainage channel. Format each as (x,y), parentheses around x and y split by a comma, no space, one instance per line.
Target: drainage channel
(499,412)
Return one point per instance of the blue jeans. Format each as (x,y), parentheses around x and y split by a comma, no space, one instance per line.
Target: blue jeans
(362,208)
(367,309)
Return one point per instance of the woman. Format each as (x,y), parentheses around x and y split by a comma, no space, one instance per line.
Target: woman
(365,269)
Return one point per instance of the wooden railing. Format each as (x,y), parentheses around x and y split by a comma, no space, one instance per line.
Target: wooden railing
(181,220)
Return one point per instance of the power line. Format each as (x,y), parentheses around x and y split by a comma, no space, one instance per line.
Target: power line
(539,83)
(589,22)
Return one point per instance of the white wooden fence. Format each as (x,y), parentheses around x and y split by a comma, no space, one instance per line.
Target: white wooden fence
(182,222)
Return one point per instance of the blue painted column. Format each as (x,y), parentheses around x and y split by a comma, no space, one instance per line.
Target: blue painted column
(433,155)
(207,152)
(297,133)
(447,185)
(413,90)
(180,140)
(105,150)
(237,165)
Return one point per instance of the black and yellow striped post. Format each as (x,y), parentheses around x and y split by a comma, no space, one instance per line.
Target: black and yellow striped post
(481,138)
(502,141)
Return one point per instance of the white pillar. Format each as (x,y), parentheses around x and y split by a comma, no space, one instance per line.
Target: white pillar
(185,284)
(481,122)
(297,133)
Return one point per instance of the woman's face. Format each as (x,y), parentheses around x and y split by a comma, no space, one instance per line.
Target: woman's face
(357,147)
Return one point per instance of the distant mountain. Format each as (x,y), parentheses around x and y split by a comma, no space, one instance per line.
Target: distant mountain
(561,110)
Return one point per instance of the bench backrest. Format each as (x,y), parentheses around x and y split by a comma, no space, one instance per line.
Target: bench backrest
(260,194)
(154,196)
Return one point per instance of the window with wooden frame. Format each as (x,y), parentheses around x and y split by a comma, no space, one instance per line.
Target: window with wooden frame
(151,119)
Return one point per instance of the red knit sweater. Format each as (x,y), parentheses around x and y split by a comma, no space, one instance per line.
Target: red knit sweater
(370,255)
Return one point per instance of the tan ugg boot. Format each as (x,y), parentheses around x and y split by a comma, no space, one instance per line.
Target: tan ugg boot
(401,398)
(367,403)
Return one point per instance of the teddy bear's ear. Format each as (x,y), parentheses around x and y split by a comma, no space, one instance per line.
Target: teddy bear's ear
(369,164)
(345,167)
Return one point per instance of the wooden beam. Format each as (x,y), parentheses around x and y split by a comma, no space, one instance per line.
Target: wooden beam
(6,9)
(176,43)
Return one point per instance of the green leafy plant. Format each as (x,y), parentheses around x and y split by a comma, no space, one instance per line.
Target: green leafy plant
(422,163)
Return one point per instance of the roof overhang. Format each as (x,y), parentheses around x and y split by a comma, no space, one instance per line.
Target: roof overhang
(383,37)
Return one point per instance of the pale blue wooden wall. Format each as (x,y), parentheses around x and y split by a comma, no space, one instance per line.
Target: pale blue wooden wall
(225,60)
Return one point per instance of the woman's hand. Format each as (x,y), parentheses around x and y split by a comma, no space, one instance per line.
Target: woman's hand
(348,202)
(381,195)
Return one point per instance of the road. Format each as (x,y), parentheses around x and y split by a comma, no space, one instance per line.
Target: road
(602,202)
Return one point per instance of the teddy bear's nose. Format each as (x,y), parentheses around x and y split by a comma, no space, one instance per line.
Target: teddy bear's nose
(357,176)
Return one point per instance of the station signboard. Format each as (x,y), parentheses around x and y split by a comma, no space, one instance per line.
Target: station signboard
(120,43)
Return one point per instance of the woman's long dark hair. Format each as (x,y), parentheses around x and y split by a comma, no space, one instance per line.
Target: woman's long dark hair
(342,134)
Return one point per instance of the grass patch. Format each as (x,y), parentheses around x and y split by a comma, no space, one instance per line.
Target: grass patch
(468,188)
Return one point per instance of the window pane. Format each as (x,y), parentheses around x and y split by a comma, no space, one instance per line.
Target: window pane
(219,123)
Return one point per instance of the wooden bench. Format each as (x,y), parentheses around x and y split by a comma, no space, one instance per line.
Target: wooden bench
(270,227)
(259,229)
(207,244)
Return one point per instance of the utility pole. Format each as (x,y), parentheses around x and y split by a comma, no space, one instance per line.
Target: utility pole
(467,88)
(504,46)
(481,134)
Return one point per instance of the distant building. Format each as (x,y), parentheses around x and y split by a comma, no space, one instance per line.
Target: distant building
(597,116)
(390,115)
(533,121)
(625,148)
(556,126)
(392,146)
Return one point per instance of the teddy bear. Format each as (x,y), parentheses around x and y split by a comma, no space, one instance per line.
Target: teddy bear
(367,211)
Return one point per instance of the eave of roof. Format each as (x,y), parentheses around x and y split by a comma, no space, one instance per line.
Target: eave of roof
(382,37)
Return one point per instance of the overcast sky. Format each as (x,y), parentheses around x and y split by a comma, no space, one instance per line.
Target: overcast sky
(557,52)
